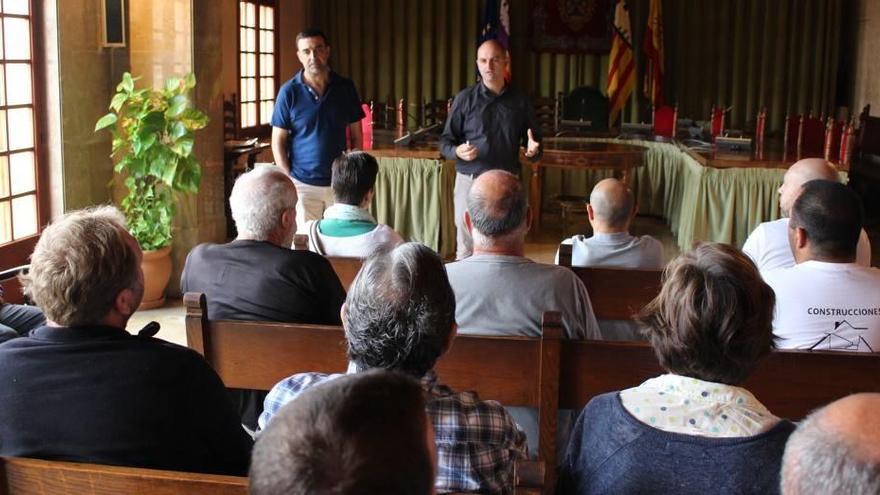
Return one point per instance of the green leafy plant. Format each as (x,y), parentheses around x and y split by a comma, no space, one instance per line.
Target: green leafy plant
(152,140)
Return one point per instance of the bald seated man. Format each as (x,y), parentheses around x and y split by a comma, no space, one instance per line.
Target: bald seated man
(835,450)
(498,291)
(610,211)
(488,123)
(768,244)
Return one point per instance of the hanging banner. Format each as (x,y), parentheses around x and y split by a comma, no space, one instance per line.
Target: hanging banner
(571,26)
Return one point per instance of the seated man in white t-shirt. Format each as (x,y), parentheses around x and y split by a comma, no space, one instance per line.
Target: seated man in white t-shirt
(610,211)
(347,228)
(826,301)
(768,244)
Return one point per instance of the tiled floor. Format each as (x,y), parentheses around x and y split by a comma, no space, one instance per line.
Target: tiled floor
(541,247)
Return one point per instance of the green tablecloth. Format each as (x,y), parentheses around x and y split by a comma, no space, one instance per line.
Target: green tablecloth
(699,203)
(414,197)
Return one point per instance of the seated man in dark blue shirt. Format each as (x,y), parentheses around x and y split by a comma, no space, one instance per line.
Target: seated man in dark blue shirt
(488,123)
(83,389)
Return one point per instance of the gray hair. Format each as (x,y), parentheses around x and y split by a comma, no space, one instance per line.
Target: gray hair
(400,311)
(818,461)
(502,216)
(258,200)
(80,264)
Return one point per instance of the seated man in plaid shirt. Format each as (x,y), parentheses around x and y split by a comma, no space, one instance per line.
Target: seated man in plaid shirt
(400,315)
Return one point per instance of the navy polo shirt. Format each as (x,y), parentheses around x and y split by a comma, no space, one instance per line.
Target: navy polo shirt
(316,124)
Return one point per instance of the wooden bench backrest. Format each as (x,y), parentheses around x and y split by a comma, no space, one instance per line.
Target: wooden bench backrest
(516,371)
(19,476)
(38,477)
(346,268)
(615,293)
(789,383)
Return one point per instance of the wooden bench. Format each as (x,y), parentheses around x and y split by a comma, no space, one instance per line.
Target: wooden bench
(516,371)
(615,293)
(789,383)
(346,268)
(20,476)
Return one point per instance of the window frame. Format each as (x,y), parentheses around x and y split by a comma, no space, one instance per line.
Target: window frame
(17,252)
(259,130)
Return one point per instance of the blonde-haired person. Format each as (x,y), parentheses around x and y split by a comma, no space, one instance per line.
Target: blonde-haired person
(694,429)
(81,388)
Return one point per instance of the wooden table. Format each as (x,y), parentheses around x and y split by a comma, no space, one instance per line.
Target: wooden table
(579,154)
(758,158)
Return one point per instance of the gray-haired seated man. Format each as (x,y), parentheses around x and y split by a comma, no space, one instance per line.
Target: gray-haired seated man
(400,315)
(362,434)
(348,229)
(610,211)
(81,388)
(835,450)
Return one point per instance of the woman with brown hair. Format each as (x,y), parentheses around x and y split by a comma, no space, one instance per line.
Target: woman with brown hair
(693,429)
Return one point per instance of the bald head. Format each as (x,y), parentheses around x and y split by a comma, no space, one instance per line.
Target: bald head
(497,208)
(492,62)
(611,206)
(836,449)
(800,173)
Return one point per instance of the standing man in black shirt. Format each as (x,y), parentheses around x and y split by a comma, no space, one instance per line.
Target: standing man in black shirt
(488,123)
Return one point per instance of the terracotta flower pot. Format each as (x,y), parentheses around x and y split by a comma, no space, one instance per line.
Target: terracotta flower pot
(157,270)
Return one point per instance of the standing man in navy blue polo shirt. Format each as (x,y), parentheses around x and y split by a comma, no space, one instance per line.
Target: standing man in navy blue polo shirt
(308,125)
(488,123)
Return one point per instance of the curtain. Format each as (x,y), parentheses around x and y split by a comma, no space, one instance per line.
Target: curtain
(744,54)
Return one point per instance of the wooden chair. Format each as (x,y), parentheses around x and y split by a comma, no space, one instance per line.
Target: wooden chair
(12,292)
(716,122)
(665,119)
(367,126)
(760,128)
(789,383)
(790,137)
(435,112)
(833,139)
(20,476)
(615,293)
(811,137)
(847,143)
(516,371)
(346,268)
(382,114)
(547,114)
(584,109)
(868,136)
(230,118)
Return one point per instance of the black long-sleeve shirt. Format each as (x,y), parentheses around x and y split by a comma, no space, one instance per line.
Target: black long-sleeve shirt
(496,124)
(99,394)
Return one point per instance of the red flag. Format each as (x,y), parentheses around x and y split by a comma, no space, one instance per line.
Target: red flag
(653,48)
(621,67)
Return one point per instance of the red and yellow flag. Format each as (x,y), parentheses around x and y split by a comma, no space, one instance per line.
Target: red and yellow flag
(653,48)
(621,67)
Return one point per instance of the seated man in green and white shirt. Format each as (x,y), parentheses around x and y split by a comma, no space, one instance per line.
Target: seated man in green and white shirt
(348,229)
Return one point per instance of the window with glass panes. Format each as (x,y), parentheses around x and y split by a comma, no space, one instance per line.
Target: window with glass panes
(257,65)
(19,179)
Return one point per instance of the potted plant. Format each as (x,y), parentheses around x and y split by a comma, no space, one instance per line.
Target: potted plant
(152,141)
